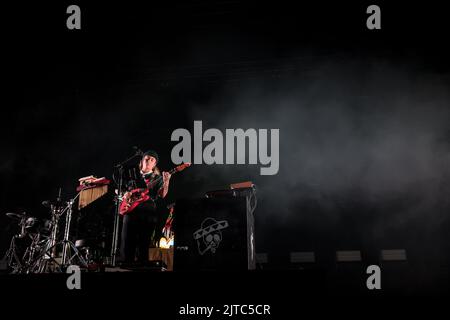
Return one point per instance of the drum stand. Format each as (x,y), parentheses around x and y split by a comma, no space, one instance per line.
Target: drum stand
(29,256)
(70,252)
(13,260)
(50,253)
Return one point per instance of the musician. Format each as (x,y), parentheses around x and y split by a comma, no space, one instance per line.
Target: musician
(139,224)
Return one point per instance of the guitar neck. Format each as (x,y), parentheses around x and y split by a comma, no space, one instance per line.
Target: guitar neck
(174,170)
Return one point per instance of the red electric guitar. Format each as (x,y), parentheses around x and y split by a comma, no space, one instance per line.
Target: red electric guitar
(135,197)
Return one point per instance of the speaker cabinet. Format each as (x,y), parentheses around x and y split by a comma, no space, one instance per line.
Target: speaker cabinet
(214,234)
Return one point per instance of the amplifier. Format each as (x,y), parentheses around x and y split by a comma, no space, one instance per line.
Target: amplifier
(214,234)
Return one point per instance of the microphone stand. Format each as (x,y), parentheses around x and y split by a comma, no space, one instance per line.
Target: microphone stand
(118,198)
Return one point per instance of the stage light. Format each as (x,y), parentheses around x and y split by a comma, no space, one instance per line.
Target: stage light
(165,243)
(303,257)
(393,255)
(348,256)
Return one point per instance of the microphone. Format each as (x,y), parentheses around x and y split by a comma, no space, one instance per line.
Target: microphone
(139,152)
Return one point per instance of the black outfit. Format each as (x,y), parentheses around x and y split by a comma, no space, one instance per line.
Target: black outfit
(139,224)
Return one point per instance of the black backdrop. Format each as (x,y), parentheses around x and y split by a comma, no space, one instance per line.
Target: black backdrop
(363,115)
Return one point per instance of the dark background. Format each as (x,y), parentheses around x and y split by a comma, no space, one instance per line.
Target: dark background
(363,114)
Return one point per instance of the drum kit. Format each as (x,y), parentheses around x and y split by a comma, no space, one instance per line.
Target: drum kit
(43,245)
(27,242)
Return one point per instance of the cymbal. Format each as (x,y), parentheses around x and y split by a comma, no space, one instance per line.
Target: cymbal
(14,215)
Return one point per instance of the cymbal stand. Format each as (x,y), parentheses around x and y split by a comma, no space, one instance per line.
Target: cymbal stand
(70,252)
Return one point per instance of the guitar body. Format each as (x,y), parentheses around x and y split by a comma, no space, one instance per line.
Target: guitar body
(135,197)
